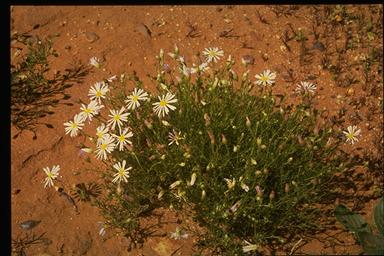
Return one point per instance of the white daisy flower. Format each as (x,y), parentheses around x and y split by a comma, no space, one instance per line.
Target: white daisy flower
(201,68)
(351,134)
(174,137)
(102,228)
(133,100)
(250,247)
(112,78)
(107,145)
(98,91)
(117,117)
(122,173)
(266,78)
(75,126)
(122,139)
(185,70)
(100,132)
(91,110)
(162,107)
(213,54)
(51,175)
(305,88)
(230,183)
(94,62)
(178,234)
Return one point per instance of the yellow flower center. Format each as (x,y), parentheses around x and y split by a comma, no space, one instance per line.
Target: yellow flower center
(135,98)
(122,138)
(350,135)
(99,135)
(264,78)
(121,172)
(73,125)
(50,175)
(88,111)
(163,103)
(99,94)
(103,146)
(116,117)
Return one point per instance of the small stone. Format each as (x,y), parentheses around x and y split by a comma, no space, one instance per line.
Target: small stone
(248,59)
(318,46)
(265,57)
(16,191)
(144,30)
(91,37)
(29,224)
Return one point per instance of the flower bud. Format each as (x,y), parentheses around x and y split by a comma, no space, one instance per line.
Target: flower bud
(286,188)
(165,123)
(148,124)
(259,192)
(236,148)
(247,122)
(207,119)
(161,54)
(272,195)
(160,195)
(258,141)
(235,206)
(223,139)
(193,179)
(203,194)
(244,187)
(211,137)
(175,184)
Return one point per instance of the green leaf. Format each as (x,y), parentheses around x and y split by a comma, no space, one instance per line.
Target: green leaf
(379,215)
(352,221)
(372,244)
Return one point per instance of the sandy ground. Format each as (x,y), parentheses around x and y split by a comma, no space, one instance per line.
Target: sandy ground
(128,38)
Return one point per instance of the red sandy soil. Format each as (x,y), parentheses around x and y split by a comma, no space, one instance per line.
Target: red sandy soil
(125,46)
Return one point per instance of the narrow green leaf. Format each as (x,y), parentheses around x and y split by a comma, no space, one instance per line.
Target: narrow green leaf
(372,244)
(352,221)
(379,215)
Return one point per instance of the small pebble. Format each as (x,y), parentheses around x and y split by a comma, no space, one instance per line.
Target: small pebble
(248,59)
(319,46)
(29,224)
(143,29)
(91,37)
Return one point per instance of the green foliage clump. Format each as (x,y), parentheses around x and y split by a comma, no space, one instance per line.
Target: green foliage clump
(33,88)
(373,244)
(250,169)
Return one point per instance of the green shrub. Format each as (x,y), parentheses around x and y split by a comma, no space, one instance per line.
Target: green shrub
(250,168)
(33,88)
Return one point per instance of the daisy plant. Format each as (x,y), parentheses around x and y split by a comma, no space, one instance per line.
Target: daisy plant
(351,134)
(98,91)
(207,143)
(52,174)
(133,100)
(162,107)
(265,78)
(73,127)
(213,54)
